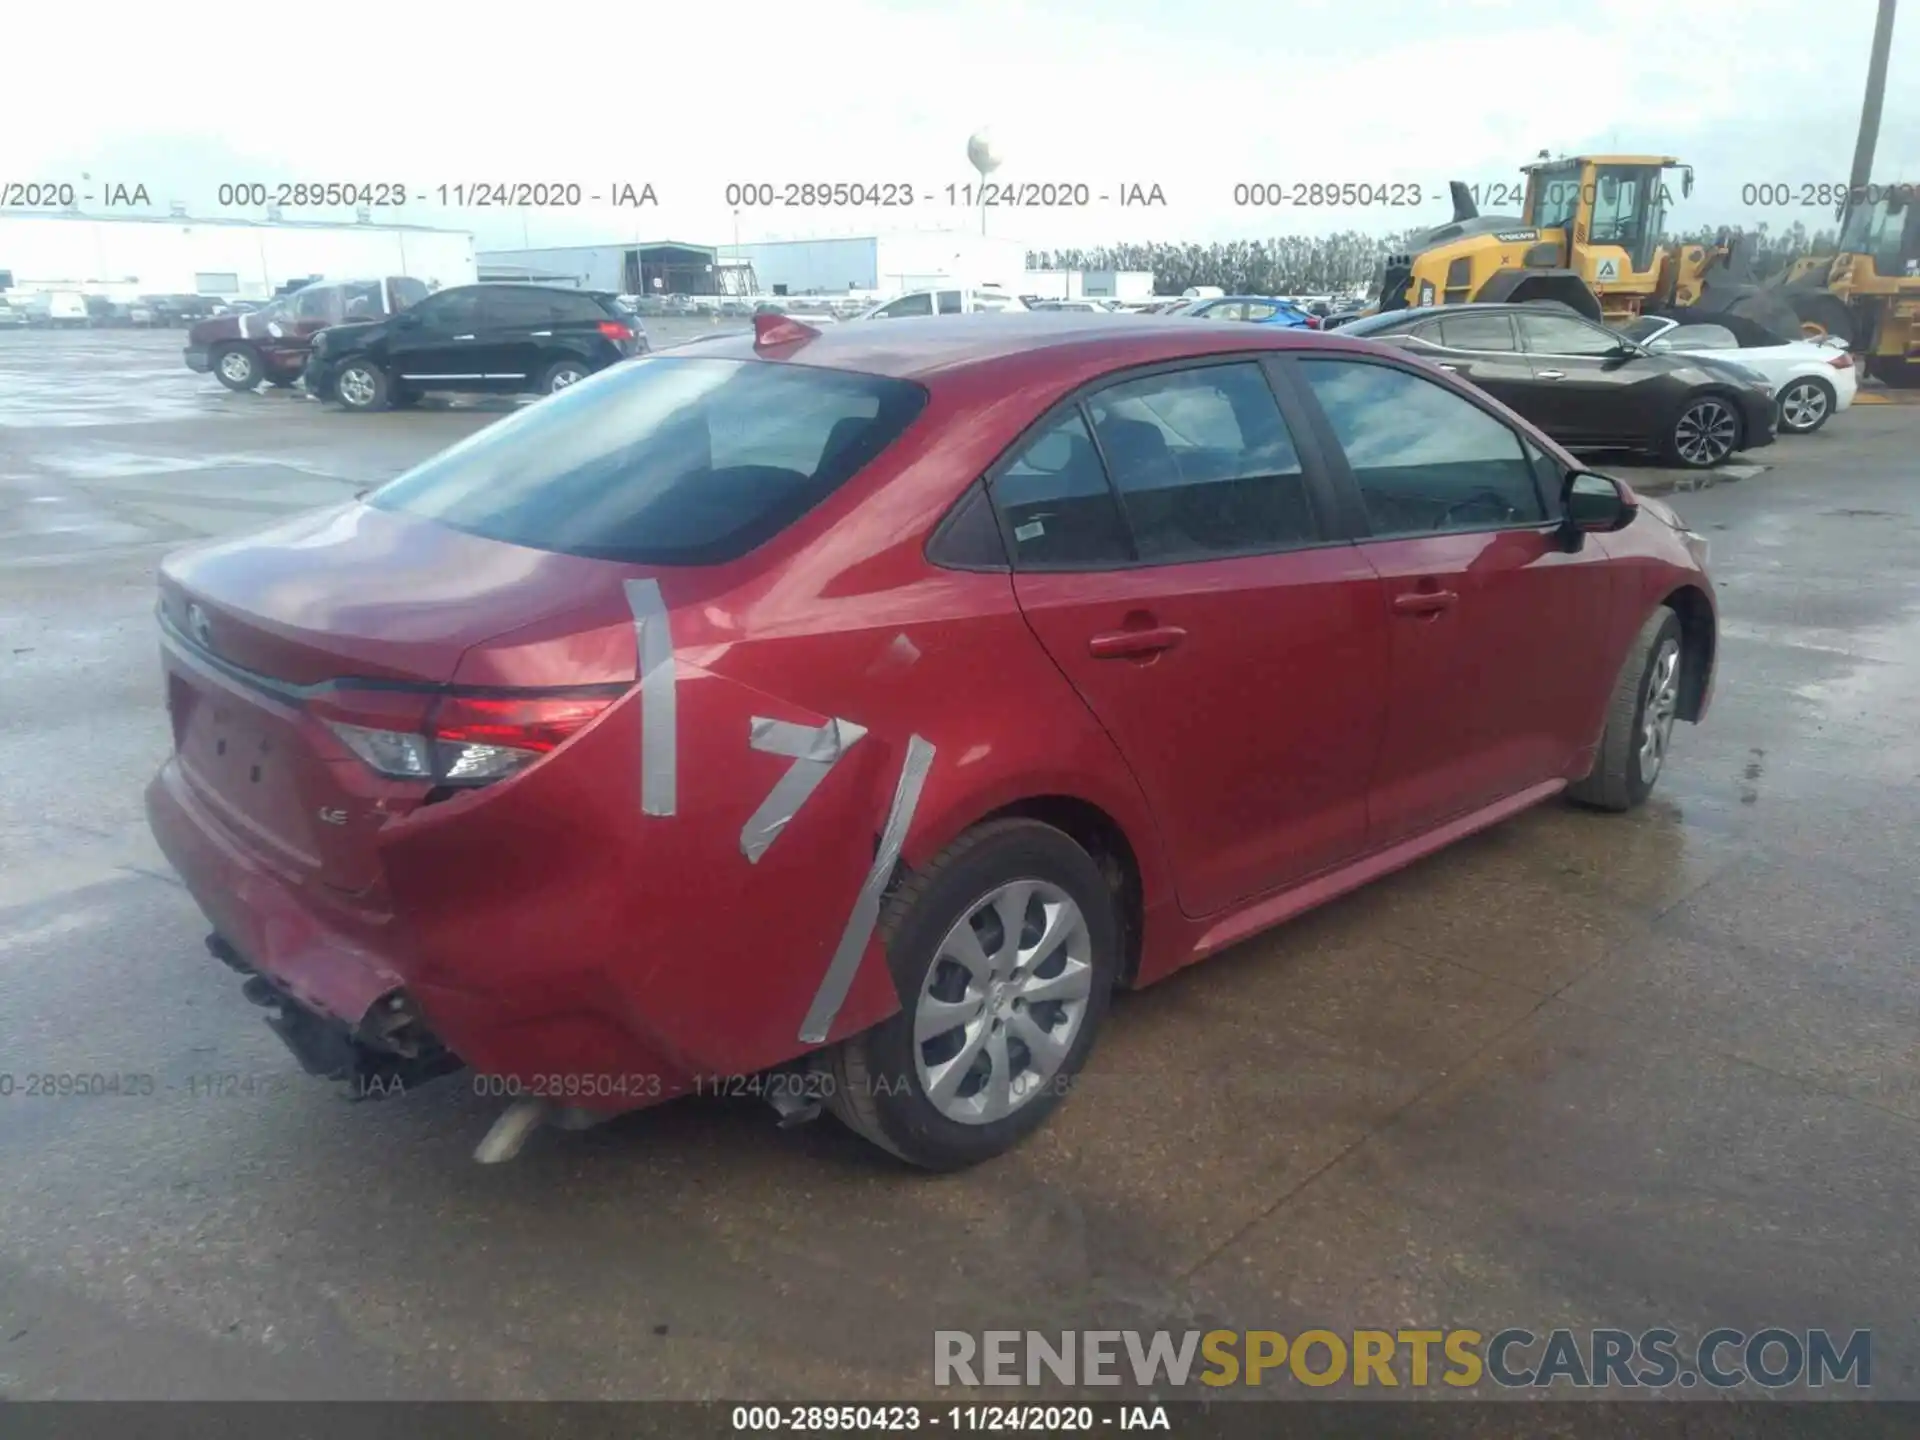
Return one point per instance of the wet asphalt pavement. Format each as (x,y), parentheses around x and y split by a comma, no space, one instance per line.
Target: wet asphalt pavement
(1661,1069)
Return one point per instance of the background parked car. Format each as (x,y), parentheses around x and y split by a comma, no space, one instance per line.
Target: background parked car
(1812,380)
(475,339)
(1589,387)
(64,310)
(955,300)
(272,344)
(10,318)
(1254,309)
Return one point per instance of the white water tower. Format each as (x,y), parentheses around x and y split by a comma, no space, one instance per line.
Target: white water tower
(985,157)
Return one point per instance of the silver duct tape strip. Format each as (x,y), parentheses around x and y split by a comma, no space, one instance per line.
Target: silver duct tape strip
(866,908)
(814,750)
(659,747)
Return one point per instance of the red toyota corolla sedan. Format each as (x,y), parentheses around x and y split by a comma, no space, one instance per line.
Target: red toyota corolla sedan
(852,711)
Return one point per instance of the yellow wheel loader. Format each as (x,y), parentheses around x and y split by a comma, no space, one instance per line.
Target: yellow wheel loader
(1868,294)
(1588,237)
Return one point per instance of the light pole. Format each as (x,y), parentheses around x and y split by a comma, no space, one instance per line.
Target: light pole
(1862,175)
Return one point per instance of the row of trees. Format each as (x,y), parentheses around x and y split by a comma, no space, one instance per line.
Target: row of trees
(1346,261)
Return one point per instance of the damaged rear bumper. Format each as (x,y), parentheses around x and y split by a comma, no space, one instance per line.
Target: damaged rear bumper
(343,1013)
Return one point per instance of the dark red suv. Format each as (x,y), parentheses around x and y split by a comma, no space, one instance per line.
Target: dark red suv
(273,343)
(855,710)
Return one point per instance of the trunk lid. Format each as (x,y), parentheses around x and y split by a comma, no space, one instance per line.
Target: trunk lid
(263,632)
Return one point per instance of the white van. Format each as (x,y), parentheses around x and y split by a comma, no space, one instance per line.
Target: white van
(68,307)
(956,301)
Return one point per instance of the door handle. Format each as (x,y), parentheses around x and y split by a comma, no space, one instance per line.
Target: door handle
(1424,602)
(542,332)
(1549,374)
(463,337)
(1131,644)
(1444,366)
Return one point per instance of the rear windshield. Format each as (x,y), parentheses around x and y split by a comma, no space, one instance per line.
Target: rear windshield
(663,461)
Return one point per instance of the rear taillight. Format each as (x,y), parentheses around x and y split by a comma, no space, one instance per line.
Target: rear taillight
(1842,361)
(454,739)
(614,330)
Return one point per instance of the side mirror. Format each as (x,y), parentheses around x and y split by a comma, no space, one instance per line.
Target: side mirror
(1594,504)
(1660,346)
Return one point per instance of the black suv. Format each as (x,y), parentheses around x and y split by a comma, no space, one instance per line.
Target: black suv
(474,339)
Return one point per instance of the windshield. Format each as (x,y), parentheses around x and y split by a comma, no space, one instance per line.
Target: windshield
(667,460)
(1555,194)
(1877,230)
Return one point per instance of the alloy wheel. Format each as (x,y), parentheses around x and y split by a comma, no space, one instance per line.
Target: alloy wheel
(1803,406)
(1003,1002)
(356,386)
(1706,432)
(563,378)
(1657,714)
(235,366)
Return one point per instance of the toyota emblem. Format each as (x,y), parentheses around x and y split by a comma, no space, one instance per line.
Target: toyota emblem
(198,627)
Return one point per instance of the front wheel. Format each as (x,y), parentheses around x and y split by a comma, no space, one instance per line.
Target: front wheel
(1805,404)
(1640,715)
(1005,950)
(1705,434)
(237,368)
(361,385)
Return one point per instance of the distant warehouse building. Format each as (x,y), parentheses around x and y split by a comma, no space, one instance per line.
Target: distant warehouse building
(1088,284)
(903,260)
(906,260)
(122,257)
(658,267)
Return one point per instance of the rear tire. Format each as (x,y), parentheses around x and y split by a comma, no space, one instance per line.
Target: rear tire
(1805,404)
(984,1046)
(1704,434)
(562,374)
(1640,715)
(237,368)
(362,386)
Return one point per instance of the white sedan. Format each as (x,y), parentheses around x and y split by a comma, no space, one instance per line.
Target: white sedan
(1812,379)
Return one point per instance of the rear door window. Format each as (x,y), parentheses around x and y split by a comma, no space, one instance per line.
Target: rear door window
(510,309)
(668,460)
(1204,464)
(1475,332)
(582,309)
(450,310)
(950,302)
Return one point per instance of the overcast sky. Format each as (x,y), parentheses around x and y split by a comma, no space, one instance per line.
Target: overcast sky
(1189,95)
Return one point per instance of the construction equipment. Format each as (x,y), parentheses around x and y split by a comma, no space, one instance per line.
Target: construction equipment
(1589,237)
(1868,293)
